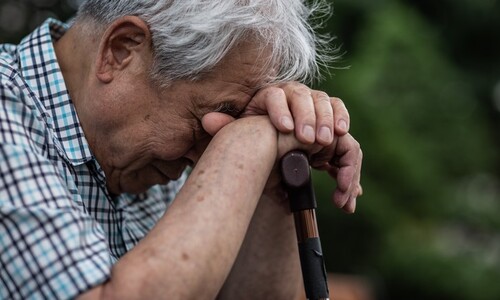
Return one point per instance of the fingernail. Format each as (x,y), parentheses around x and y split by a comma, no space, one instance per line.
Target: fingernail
(342,125)
(308,133)
(325,134)
(287,122)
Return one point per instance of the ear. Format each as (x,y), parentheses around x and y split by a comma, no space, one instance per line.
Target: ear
(124,39)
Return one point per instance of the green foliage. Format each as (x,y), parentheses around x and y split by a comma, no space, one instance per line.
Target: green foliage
(427,226)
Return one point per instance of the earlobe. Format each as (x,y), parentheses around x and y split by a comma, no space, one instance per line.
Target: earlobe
(123,40)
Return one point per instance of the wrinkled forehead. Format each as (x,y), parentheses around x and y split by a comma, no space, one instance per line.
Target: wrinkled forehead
(249,61)
(231,85)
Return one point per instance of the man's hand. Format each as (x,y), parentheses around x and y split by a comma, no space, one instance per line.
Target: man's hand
(341,159)
(314,115)
(317,119)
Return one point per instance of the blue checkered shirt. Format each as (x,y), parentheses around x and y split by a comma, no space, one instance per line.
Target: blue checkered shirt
(60,230)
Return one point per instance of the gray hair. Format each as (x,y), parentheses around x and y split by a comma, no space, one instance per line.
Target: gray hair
(191,36)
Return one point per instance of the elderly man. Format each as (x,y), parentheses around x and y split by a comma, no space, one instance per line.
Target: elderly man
(100,120)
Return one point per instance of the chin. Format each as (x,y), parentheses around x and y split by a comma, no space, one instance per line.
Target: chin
(135,188)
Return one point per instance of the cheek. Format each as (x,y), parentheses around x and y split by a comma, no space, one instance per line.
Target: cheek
(173,131)
(171,144)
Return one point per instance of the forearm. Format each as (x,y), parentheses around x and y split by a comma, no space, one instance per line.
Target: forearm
(268,265)
(190,251)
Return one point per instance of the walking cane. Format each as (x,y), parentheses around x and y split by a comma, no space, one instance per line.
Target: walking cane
(296,175)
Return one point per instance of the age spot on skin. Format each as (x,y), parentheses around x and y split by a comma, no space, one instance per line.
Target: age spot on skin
(240,166)
(185,256)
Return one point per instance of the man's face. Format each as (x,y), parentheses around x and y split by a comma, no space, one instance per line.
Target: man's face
(153,135)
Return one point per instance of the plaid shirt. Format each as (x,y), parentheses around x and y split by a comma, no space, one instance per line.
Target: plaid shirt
(60,230)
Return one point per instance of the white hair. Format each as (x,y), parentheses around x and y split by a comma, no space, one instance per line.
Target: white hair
(191,36)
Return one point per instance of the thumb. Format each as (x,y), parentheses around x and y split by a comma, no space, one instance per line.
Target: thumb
(214,121)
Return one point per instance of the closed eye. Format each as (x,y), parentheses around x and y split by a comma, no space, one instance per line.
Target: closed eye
(228,108)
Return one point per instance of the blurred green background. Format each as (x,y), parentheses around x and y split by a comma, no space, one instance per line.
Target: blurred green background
(421,80)
(423,91)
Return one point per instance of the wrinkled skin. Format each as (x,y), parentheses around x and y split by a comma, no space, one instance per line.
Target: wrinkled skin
(142,135)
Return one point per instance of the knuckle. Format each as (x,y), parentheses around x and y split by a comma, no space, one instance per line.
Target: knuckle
(322,96)
(337,99)
(345,114)
(340,106)
(326,117)
(337,102)
(301,91)
(356,145)
(273,92)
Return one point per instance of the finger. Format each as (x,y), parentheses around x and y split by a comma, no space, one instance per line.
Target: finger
(341,116)
(301,103)
(214,121)
(272,101)
(350,206)
(348,157)
(324,117)
(344,201)
(355,189)
(321,160)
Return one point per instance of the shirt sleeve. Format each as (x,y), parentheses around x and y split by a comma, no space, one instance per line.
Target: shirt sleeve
(49,247)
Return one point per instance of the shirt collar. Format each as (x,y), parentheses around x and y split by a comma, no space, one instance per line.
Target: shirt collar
(39,67)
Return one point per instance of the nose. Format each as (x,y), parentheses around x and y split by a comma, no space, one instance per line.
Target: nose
(192,156)
(179,171)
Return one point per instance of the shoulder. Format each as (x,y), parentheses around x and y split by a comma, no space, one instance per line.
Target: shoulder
(21,123)
(8,62)
(10,77)
(7,52)
(22,118)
